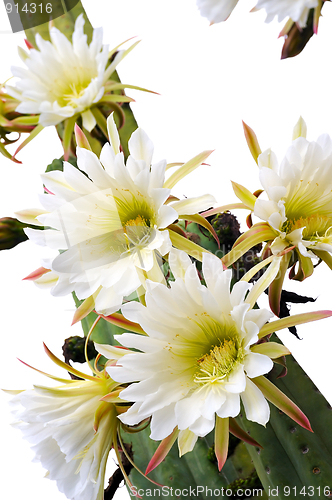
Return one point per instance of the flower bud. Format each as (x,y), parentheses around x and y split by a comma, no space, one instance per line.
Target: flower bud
(11,233)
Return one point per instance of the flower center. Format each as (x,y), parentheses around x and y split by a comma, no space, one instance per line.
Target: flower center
(317,228)
(70,87)
(138,232)
(76,93)
(218,364)
(135,220)
(139,221)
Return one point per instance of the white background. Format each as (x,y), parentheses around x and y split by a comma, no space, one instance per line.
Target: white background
(209,78)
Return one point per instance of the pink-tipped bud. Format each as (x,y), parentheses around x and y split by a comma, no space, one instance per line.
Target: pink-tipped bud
(28,44)
(81,139)
(38,273)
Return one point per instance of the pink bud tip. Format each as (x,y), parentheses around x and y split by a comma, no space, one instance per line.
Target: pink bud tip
(28,44)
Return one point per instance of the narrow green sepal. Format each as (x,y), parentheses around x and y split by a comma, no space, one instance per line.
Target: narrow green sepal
(281,401)
(252,141)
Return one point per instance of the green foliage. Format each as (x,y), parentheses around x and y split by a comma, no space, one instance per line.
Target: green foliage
(192,470)
(252,482)
(292,456)
(129,126)
(196,468)
(103,332)
(201,236)
(64,23)
(57,164)
(241,460)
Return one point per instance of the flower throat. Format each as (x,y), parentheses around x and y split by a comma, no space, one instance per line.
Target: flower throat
(218,364)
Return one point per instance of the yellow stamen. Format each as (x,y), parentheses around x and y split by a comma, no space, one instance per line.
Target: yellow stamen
(139,221)
(317,228)
(218,364)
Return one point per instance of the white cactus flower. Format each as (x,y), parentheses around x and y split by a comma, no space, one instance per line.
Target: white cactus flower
(299,191)
(71,430)
(198,358)
(111,220)
(62,79)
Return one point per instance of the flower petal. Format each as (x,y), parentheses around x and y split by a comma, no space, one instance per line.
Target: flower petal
(255,405)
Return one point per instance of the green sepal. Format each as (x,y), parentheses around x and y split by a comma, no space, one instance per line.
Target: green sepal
(275,288)
(103,332)
(252,141)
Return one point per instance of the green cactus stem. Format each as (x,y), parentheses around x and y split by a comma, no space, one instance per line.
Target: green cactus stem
(292,456)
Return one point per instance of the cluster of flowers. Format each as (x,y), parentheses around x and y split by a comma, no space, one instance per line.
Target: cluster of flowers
(196,347)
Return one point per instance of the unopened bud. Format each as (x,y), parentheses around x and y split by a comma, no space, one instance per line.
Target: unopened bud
(73,349)
(11,233)
(227,228)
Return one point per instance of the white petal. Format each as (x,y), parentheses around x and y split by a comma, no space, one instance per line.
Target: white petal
(108,302)
(188,410)
(89,121)
(215,398)
(231,407)
(113,134)
(215,10)
(202,426)
(179,262)
(259,316)
(141,146)
(132,416)
(166,216)
(110,351)
(89,162)
(256,406)
(186,441)
(268,159)
(257,364)
(163,422)
(212,270)
(193,205)
(136,341)
(236,381)
(157,177)
(239,292)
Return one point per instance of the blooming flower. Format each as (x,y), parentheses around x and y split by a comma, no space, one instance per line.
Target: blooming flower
(299,191)
(111,219)
(71,430)
(63,79)
(200,357)
(298,208)
(296,10)
(217,11)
